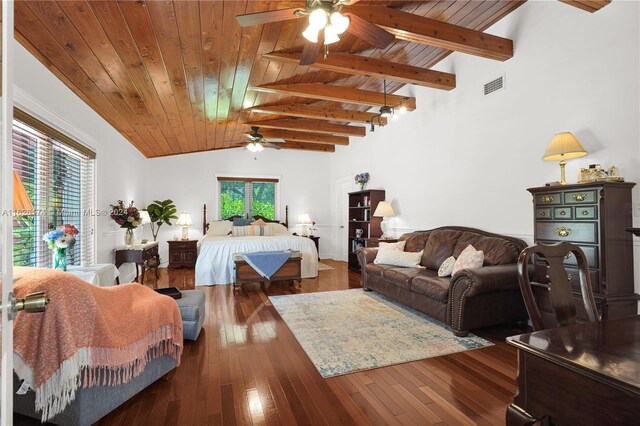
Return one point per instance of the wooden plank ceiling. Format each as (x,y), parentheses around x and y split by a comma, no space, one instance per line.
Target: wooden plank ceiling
(183,76)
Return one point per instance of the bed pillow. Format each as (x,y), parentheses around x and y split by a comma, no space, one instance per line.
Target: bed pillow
(251,231)
(219,227)
(259,222)
(278,228)
(239,221)
(407,259)
(470,258)
(399,246)
(447,267)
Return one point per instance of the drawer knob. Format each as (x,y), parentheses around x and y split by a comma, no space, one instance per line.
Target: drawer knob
(585,212)
(579,197)
(563,232)
(567,256)
(547,199)
(563,213)
(543,214)
(569,277)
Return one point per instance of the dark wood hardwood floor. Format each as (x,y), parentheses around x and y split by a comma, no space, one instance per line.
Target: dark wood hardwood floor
(248,368)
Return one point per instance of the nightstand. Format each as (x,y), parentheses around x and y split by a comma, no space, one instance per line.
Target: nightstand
(316,241)
(183,253)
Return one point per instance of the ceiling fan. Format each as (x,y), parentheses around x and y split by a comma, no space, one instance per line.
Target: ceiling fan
(257,142)
(326,23)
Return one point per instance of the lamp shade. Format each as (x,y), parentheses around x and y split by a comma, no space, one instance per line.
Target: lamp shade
(564,146)
(384,209)
(21,200)
(184,219)
(304,219)
(144,215)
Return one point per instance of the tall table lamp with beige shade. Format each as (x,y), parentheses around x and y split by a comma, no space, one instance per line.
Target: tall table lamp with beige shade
(305,221)
(384,210)
(563,146)
(184,220)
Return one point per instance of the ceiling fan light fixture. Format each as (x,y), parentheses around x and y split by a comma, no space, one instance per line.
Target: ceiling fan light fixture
(386,111)
(330,35)
(339,22)
(259,147)
(311,34)
(251,147)
(318,19)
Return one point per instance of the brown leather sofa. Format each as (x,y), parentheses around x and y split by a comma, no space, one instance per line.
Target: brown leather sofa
(472,298)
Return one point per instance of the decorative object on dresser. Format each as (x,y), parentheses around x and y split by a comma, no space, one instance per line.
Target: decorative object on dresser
(183,253)
(471,298)
(362,179)
(384,210)
(595,218)
(161,213)
(185,221)
(361,204)
(595,173)
(143,255)
(563,146)
(146,219)
(305,221)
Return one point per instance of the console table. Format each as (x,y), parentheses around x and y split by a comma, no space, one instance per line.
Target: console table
(140,254)
(585,374)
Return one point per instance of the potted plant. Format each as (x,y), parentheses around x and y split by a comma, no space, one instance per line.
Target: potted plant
(160,213)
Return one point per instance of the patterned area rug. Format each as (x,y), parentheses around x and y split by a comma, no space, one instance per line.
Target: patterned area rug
(350,330)
(323,267)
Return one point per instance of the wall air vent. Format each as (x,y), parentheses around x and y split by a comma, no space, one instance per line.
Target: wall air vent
(494,85)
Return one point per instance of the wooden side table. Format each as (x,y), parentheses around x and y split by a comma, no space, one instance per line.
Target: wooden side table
(143,255)
(316,241)
(183,253)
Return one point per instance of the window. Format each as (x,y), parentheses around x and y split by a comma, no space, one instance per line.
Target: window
(247,196)
(58,174)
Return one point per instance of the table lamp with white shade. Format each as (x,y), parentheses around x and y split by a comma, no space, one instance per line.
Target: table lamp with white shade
(146,219)
(184,220)
(305,221)
(563,146)
(384,210)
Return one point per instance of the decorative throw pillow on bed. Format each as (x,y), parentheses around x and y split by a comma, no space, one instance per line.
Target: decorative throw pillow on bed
(447,267)
(407,259)
(238,221)
(251,231)
(277,228)
(399,246)
(470,258)
(259,222)
(220,227)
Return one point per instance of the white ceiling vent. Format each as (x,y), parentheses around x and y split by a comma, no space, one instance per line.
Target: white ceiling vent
(494,85)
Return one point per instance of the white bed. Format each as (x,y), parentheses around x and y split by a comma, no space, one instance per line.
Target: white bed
(215,259)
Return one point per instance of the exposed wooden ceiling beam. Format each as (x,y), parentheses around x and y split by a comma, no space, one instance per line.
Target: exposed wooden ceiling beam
(362,65)
(308,146)
(588,5)
(321,113)
(293,136)
(419,29)
(304,125)
(328,92)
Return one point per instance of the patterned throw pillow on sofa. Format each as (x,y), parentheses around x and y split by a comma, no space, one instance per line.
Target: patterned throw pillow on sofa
(446,268)
(470,258)
(399,246)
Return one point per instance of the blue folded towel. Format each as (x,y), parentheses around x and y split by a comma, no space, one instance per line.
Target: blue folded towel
(267,263)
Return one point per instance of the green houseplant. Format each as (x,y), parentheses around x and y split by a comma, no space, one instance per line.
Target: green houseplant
(160,213)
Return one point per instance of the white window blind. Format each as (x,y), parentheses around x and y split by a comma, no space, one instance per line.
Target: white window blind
(58,174)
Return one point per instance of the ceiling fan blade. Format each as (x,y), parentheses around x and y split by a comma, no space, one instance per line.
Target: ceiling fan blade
(369,32)
(268,17)
(311,50)
(274,140)
(249,136)
(271,145)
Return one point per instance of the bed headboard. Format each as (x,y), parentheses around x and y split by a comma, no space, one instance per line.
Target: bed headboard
(205,223)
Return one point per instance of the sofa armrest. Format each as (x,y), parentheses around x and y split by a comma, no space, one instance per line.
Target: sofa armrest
(366,255)
(488,279)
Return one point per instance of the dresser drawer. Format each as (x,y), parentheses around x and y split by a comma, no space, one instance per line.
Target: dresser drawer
(585,212)
(543,214)
(590,252)
(551,198)
(575,232)
(580,197)
(563,213)
(183,246)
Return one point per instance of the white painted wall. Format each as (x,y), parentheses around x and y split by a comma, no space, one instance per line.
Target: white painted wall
(119,166)
(190,181)
(465,159)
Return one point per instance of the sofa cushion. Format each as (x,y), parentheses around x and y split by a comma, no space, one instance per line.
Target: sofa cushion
(415,240)
(429,284)
(401,276)
(376,270)
(439,246)
(399,246)
(497,251)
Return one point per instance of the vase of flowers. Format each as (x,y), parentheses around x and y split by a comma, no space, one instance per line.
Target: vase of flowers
(362,179)
(59,240)
(128,218)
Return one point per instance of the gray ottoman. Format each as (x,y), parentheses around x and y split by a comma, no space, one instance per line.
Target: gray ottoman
(192,311)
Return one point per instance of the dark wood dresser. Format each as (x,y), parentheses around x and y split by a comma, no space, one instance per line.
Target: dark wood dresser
(595,217)
(183,253)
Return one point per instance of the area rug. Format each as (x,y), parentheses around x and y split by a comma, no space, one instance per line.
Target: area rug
(350,330)
(323,267)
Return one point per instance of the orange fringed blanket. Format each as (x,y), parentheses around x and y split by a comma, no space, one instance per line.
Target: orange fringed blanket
(88,335)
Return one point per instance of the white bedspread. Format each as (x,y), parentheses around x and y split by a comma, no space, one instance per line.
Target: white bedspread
(215,260)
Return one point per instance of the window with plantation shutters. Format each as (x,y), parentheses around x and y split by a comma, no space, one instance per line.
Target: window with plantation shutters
(58,174)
